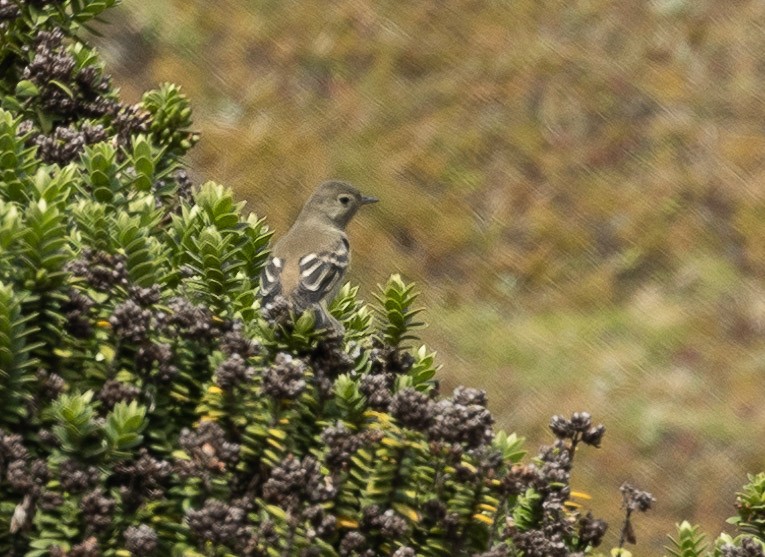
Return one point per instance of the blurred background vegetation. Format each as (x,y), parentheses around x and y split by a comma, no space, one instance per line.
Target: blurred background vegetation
(578,187)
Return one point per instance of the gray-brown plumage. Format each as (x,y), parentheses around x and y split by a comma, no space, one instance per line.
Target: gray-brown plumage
(308,263)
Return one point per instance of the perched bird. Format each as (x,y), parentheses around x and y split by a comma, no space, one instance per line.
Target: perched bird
(307,264)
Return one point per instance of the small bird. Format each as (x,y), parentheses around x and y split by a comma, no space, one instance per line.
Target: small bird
(307,264)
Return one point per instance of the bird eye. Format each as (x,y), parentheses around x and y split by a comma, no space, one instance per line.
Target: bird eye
(344,199)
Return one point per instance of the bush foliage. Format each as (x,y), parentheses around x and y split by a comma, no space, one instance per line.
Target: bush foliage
(151,408)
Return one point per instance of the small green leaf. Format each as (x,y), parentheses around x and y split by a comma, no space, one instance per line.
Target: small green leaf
(63,86)
(26,88)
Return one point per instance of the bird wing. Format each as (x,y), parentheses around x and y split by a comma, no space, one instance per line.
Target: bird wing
(270,279)
(320,274)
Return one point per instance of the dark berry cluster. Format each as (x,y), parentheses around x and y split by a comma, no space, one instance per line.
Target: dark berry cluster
(63,90)
(377,388)
(223,523)
(145,297)
(555,470)
(191,321)
(184,186)
(286,378)
(159,353)
(130,120)
(27,475)
(51,384)
(144,477)
(389,359)
(209,450)
(536,542)
(8,11)
(234,341)
(97,510)
(747,548)
(147,330)
(591,531)
(341,443)
(353,543)
(434,511)
(469,424)
(468,396)
(141,540)
(113,391)
(78,100)
(76,477)
(633,499)
(556,530)
(488,460)
(232,372)
(24,474)
(578,428)
(69,95)
(131,322)
(67,142)
(323,523)
(295,480)
(100,270)
(76,308)
(387,523)
(412,409)
(329,357)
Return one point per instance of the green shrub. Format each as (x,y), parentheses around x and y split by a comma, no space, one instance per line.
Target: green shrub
(750,518)
(151,408)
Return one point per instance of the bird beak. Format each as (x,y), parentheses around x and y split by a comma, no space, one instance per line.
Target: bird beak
(367,199)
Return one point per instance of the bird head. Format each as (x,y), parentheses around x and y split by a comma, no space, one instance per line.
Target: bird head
(335,201)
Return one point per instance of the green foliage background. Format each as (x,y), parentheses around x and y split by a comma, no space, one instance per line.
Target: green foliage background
(579,184)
